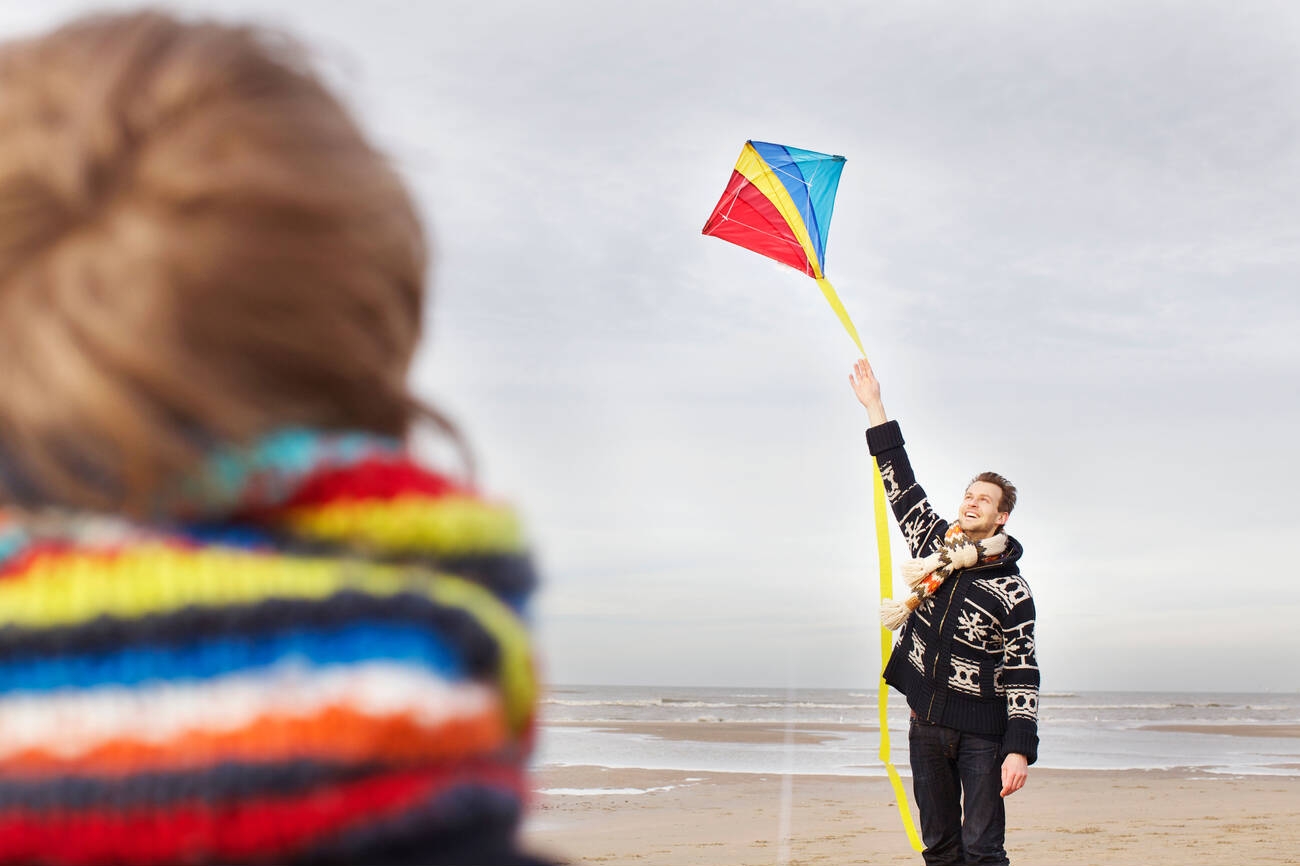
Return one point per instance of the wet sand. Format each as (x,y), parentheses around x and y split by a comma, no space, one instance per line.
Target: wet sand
(1129,818)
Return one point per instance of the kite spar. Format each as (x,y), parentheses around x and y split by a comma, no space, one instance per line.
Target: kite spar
(778,204)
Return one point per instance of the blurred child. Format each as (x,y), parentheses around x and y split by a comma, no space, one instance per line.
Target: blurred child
(238,621)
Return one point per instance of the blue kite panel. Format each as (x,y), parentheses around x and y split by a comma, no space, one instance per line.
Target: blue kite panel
(780,159)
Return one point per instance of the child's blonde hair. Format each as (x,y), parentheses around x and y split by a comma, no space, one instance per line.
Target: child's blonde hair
(197,244)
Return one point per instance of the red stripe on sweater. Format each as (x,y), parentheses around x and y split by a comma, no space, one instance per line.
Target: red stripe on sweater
(261,828)
(376,478)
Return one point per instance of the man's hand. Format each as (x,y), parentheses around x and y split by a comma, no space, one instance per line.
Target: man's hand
(1015,769)
(868,390)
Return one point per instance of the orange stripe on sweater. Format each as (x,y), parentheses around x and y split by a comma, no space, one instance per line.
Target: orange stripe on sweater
(335,734)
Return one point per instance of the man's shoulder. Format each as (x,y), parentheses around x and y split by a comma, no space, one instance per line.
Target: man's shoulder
(1009,587)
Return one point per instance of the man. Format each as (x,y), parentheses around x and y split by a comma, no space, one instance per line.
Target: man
(965,656)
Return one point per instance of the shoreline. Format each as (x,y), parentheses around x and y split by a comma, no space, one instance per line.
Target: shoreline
(821,732)
(850,749)
(802,733)
(1127,818)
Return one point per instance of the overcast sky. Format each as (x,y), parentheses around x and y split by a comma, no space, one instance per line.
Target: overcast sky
(1068,234)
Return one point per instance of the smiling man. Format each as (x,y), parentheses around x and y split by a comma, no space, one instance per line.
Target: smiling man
(965,655)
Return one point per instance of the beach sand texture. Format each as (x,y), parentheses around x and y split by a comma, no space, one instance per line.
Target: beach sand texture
(1121,818)
(1130,818)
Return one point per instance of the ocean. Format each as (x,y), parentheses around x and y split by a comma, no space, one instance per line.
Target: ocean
(1077,730)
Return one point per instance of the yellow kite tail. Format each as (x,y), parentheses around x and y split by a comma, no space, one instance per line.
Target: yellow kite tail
(886,643)
(886,590)
(834,300)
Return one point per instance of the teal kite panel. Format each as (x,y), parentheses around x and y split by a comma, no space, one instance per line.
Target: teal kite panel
(822,172)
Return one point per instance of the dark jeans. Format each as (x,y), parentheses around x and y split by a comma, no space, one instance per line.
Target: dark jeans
(947,764)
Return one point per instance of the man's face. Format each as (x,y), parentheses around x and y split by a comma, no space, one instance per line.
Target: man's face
(979,516)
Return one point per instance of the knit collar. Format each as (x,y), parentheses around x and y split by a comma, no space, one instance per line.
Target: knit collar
(316,653)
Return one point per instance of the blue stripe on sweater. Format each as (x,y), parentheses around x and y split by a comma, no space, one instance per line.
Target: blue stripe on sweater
(212,658)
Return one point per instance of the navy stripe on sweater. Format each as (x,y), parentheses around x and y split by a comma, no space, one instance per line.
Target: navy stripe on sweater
(229,781)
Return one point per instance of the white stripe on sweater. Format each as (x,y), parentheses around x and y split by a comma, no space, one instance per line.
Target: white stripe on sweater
(68,722)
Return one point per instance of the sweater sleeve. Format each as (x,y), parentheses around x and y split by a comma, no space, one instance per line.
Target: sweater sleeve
(922,527)
(1020,676)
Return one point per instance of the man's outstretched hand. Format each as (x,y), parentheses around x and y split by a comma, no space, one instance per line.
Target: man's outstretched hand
(868,390)
(1015,769)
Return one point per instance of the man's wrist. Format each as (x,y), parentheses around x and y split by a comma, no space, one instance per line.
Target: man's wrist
(876,414)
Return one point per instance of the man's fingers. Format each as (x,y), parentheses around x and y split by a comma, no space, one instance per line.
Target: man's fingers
(862,369)
(1015,770)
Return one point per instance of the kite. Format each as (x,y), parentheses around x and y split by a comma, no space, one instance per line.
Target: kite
(778,204)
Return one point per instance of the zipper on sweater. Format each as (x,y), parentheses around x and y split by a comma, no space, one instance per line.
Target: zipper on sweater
(934,668)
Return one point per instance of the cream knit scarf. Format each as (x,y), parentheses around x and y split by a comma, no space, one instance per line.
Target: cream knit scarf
(926,575)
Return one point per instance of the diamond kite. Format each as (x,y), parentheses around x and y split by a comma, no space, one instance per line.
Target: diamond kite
(778,204)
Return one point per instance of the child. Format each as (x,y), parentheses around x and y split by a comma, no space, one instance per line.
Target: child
(238,621)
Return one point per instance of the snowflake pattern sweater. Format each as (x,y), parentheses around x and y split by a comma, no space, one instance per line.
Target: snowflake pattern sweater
(965,659)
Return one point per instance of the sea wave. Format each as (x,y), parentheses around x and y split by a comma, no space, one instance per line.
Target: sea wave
(559,702)
(812,725)
(1170,706)
(602,792)
(691,703)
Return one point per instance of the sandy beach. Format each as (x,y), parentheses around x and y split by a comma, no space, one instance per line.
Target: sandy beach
(1127,818)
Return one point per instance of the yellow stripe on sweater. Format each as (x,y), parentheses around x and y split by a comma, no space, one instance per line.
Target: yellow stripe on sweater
(448,526)
(67,589)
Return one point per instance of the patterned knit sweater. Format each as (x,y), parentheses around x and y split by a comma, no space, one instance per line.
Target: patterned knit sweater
(965,658)
(317,656)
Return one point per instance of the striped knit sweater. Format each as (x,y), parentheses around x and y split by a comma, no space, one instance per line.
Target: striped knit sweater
(965,658)
(317,657)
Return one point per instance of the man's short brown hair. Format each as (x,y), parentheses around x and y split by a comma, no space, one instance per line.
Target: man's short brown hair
(197,244)
(1008,499)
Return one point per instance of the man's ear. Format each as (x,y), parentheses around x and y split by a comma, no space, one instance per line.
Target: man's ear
(1002,517)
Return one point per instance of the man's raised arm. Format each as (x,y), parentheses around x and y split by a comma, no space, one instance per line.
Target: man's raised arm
(923,529)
